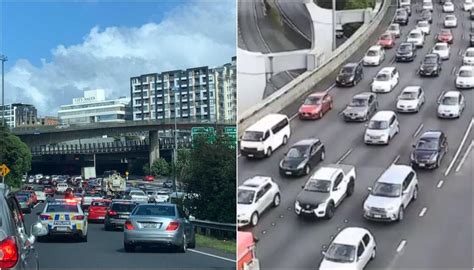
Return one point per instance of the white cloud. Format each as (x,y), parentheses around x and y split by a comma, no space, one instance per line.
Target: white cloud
(197,33)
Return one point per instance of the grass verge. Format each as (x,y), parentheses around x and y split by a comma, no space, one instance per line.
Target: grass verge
(228,246)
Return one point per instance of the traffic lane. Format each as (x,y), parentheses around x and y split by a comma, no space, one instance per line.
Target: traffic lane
(298,14)
(248,27)
(104,249)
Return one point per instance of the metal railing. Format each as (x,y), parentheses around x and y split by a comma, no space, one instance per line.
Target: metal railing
(221,230)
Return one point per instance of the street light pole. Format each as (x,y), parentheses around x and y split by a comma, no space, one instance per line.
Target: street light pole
(3,58)
(175,150)
(334,25)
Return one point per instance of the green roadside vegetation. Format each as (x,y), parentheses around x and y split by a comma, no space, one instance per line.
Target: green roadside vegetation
(228,246)
(16,155)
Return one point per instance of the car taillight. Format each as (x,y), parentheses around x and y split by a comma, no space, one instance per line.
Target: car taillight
(128,225)
(172,226)
(8,253)
(46,217)
(78,217)
(111,213)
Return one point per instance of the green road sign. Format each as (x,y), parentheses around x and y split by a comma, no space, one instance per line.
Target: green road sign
(204,131)
(232,133)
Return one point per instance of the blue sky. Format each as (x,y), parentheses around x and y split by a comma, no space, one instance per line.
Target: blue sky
(58,49)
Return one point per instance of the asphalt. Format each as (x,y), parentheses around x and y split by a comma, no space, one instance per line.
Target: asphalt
(439,238)
(104,250)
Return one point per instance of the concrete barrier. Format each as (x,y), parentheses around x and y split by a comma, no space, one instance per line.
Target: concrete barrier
(305,82)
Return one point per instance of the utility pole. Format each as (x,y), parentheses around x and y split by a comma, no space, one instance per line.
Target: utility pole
(175,148)
(334,25)
(3,58)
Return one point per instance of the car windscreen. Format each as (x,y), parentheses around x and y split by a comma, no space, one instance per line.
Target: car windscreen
(155,210)
(386,190)
(427,144)
(383,77)
(252,136)
(99,203)
(450,18)
(386,37)
(414,35)
(122,207)
(297,151)
(401,13)
(358,102)
(470,53)
(138,193)
(445,32)
(312,100)
(449,101)
(372,53)
(25,194)
(347,70)
(393,28)
(465,73)
(375,124)
(72,208)
(96,195)
(340,253)
(405,47)
(38,188)
(440,47)
(423,24)
(318,186)
(245,196)
(408,95)
(430,60)
(22,198)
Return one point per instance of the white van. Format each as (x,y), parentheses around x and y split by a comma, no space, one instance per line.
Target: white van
(382,127)
(265,136)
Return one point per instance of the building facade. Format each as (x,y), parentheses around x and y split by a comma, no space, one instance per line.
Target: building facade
(94,108)
(19,114)
(184,94)
(226,87)
(48,121)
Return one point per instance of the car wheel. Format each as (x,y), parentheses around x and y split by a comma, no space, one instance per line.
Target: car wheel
(320,115)
(192,244)
(400,213)
(350,188)
(269,151)
(84,238)
(254,219)
(107,227)
(323,155)
(415,194)
(183,246)
(276,200)
(373,254)
(285,140)
(330,210)
(438,162)
(129,247)
(307,170)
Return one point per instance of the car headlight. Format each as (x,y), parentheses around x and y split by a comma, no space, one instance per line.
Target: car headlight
(390,208)
(242,216)
(281,164)
(351,78)
(412,156)
(297,204)
(433,157)
(301,166)
(366,207)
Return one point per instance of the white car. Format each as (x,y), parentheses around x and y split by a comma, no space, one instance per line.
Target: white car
(61,187)
(394,29)
(382,127)
(451,104)
(450,21)
(468,5)
(411,99)
(424,26)
(427,5)
(40,195)
(138,196)
(468,58)
(374,56)
(254,196)
(158,196)
(443,49)
(416,37)
(352,248)
(391,194)
(465,77)
(448,7)
(385,80)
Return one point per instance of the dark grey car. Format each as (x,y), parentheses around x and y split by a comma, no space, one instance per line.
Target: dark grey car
(14,236)
(401,16)
(361,108)
(118,212)
(301,157)
(159,224)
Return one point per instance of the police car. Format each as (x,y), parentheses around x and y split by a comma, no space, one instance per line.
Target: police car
(65,217)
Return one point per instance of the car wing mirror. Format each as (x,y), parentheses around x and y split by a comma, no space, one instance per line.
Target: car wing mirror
(38,229)
(366,124)
(302,186)
(369,189)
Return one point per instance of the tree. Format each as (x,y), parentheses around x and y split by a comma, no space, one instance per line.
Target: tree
(16,155)
(212,177)
(146,169)
(160,167)
(181,170)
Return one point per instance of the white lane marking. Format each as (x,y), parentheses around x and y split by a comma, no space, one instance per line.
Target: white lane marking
(344,156)
(423,212)
(418,130)
(466,154)
(440,184)
(459,148)
(396,159)
(453,71)
(239,155)
(460,51)
(392,61)
(462,37)
(401,246)
(327,91)
(212,255)
(36,205)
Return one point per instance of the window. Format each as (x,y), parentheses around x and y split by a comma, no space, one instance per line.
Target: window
(408,180)
(371,99)
(366,239)
(338,180)
(360,249)
(267,135)
(392,120)
(282,124)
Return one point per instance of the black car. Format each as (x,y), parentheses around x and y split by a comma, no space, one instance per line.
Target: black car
(17,247)
(301,157)
(471,40)
(361,108)
(408,9)
(350,74)
(401,16)
(431,65)
(406,52)
(168,184)
(426,15)
(471,14)
(117,213)
(430,149)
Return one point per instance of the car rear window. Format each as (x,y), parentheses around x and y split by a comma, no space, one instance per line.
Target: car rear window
(22,198)
(100,203)
(122,207)
(62,208)
(155,210)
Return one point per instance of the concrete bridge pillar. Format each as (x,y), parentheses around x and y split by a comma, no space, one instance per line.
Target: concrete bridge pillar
(154,146)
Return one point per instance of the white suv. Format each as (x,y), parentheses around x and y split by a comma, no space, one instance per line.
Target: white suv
(374,56)
(391,194)
(382,127)
(254,196)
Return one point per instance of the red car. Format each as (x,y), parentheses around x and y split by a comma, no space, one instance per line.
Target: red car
(315,106)
(98,209)
(387,41)
(149,178)
(49,190)
(445,36)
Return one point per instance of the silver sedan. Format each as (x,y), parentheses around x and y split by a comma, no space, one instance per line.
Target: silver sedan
(158,224)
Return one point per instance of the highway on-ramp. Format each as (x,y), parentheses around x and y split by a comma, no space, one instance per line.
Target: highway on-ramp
(437,229)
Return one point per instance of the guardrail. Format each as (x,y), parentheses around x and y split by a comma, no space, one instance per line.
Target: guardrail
(305,82)
(226,230)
